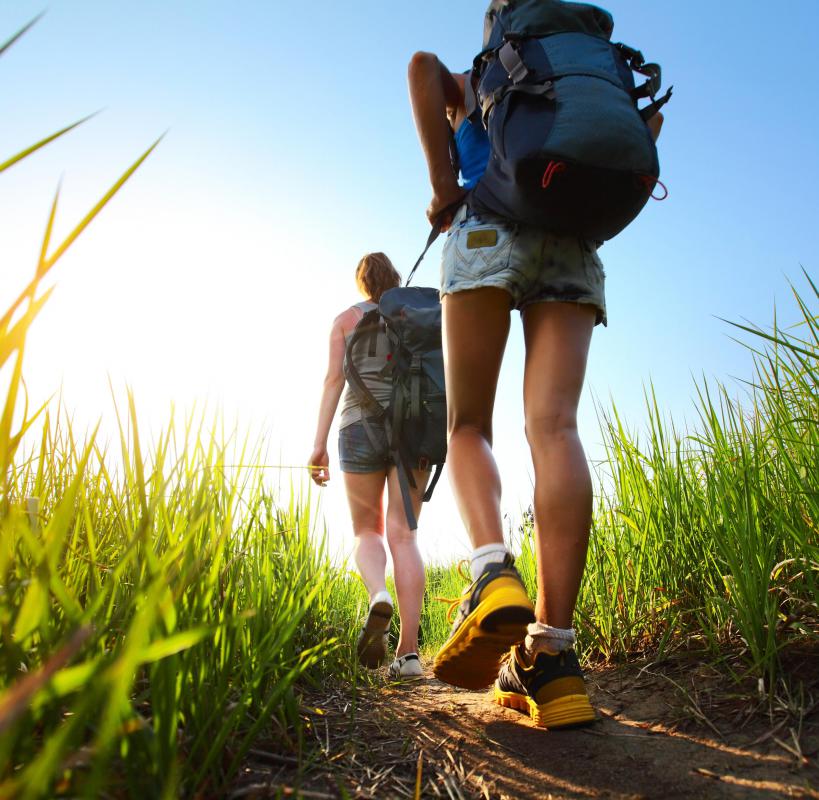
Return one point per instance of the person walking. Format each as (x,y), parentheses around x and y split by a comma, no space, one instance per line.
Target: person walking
(490,266)
(369,476)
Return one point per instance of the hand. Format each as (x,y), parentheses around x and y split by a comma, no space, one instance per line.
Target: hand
(319,466)
(655,125)
(442,200)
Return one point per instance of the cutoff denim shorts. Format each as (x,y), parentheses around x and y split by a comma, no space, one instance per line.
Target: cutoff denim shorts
(532,265)
(356,452)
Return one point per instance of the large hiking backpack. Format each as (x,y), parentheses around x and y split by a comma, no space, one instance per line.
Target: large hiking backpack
(571,151)
(415,419)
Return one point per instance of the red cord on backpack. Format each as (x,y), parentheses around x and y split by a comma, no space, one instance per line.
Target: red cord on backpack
(651,184)
(551,170)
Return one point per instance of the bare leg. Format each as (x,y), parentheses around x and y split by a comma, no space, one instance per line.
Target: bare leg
(365,497)
(495,611)
(557,345)
(406,559)
(476,325)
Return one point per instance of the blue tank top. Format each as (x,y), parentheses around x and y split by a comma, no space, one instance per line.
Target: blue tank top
(472,144)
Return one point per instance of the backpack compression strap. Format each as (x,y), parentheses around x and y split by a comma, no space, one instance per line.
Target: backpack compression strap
(406,479)
(439,468)
(517,70)
(636,61)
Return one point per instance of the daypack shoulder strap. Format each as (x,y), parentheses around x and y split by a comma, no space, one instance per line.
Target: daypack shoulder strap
(369,322)
(436,232)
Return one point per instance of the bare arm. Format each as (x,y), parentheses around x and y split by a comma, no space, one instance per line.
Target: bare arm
(435,94)
(319,463)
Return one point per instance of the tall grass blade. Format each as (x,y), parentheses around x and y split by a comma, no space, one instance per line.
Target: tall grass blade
(9,42)
(12,160)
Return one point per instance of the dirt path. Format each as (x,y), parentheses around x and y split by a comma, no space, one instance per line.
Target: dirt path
(627,754)
(659,735)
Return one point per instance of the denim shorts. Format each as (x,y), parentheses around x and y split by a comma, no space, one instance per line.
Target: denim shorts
(356,452)
(534,266)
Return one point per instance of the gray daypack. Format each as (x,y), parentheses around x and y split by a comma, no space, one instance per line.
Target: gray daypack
(415,419)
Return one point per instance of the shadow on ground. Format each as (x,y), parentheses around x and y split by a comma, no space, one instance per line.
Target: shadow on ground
(658,736)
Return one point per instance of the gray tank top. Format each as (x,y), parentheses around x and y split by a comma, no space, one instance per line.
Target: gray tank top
(370,359)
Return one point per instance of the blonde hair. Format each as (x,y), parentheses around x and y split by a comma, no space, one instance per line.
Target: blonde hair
(375,274)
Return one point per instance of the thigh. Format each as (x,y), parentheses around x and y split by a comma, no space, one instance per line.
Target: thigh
(365,493)
(557,337)
(475,329)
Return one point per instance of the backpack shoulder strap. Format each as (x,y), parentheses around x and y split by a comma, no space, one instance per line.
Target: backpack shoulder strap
(369,322)
(436,232)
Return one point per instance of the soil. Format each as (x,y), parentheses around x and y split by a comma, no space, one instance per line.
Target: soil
(671,731)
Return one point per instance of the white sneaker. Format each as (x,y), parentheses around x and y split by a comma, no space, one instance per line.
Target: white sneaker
(406,667)
(372,641)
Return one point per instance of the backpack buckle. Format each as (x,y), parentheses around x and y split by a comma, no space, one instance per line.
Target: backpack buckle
(512,62)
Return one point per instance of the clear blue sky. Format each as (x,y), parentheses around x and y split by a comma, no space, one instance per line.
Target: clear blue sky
(291,151)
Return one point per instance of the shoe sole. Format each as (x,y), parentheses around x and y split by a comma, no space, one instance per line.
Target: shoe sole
(371,648)
(471,657)
(572,710)
(400,677)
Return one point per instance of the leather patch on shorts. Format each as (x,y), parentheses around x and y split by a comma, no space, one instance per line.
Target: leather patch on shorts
(484,238)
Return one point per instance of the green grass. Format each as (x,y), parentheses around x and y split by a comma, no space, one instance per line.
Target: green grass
(712,534)
(155,621)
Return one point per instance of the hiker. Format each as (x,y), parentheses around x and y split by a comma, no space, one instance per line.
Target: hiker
(491,265)
(367,470)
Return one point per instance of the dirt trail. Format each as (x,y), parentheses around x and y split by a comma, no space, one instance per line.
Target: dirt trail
(629,753)
(658,736)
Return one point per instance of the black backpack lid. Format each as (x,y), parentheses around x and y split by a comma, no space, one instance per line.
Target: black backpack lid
(543,17)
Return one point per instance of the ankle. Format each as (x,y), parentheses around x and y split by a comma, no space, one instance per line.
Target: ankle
(542,638)
(485,555)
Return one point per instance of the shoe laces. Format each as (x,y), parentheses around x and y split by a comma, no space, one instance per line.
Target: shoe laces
(454,602)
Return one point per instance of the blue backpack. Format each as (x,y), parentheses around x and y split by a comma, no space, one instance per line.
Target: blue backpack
(570,148)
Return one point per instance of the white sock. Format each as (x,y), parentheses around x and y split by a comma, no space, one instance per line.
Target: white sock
(542,638)
(381,597)
(484,555)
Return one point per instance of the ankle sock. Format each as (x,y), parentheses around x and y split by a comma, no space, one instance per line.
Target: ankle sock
(542,638)
(485,555)
(381,597)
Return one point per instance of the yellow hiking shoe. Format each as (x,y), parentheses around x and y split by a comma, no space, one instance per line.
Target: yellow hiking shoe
(491,616)
(551,691)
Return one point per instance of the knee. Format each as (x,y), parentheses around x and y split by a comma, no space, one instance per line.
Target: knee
(460,425)
(367,534)
(398,531)
(544,429)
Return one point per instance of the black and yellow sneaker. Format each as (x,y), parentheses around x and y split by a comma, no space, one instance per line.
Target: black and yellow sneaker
(491,616)
(551,691)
